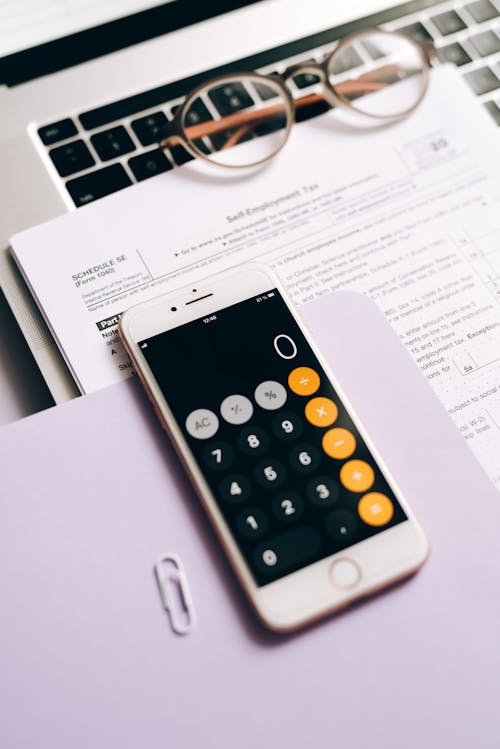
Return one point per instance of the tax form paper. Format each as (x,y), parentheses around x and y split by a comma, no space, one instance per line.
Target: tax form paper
(407,213)
(91,495)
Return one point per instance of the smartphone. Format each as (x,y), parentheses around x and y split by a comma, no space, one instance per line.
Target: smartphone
(308,513)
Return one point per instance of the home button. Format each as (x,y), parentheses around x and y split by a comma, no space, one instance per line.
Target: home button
(345,573)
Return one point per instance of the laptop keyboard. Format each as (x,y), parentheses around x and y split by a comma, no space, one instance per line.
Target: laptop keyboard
(95,153)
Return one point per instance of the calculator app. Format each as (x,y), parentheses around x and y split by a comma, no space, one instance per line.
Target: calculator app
(287,467)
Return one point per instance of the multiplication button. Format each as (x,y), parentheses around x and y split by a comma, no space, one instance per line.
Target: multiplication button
(288,550)
(202,424)
(321,412)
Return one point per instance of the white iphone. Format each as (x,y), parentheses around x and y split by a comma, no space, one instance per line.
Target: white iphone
(308,514)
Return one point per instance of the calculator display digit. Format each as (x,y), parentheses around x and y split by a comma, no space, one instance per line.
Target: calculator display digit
(284,461)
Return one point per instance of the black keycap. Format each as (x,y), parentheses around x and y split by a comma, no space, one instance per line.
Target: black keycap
(454,53)
(57,131)
(482,80)
(486,43)
(196,113)
(417,31)
(147,128)
(229,98)
(112,143)
(265,91)
(494,110)
(148,164)
(288,550)
(448,23)
(482,10)
(97,184)
(345,60)
(303,80)
(181,156)
(71,158)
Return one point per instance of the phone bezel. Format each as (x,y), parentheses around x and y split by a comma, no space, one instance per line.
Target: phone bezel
(309,593)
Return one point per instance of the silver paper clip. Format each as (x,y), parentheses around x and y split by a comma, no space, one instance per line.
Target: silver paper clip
(175,593)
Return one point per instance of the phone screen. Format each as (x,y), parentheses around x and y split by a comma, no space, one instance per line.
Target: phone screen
(288,469)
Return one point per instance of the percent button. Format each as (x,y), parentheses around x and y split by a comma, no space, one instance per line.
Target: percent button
(270,395)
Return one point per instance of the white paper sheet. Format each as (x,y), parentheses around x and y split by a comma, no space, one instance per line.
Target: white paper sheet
(408,213)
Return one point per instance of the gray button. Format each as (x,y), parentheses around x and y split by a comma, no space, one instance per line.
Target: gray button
(345,573)
(202,424)
(236,409)
(270,395)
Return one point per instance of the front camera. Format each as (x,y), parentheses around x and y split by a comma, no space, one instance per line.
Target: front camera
(173,309)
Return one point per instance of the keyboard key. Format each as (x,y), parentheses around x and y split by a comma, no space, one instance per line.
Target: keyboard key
(303,80)
(196,113)
(305,458)
(181,156)
(454,53)
(323,491)
(448,23)
(112,143)
(288,507)
(345,60)
(482,10)
(57,131)
(148,128)
(288,550)
(494,110)
(270,473)
(229,98)
(148,164)
(252,523)
(97,184)
(341,526)
(417,31)
(486,43)
(482,81)
(71,158)
(235,488)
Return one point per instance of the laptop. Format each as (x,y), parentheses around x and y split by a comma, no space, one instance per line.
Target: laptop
(85,88)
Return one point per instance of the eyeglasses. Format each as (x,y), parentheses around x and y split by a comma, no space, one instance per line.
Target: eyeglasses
(244,119)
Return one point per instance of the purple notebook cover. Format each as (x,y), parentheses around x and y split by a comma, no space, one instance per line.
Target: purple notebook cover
(92,494)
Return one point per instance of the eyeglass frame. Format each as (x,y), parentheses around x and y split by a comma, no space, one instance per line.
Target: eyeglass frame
(174,132)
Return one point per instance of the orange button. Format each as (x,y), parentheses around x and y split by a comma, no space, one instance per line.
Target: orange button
(339,443)
(303,381)
(321,412)
(357,476)
(375,509)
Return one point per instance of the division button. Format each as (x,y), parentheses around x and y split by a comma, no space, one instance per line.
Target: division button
(218,456)
(321,412)
(236,409)
(344,573)
(323,491)
(252,523)
(303,381)
(288,550)
(375,509)
(270,395)
(202,424)
(339,443)
(357,476)
(235,488)
(341,526)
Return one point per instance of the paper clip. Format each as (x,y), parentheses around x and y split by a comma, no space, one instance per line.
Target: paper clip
(175,593)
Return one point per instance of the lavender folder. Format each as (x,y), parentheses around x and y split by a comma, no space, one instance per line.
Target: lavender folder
(91,494)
